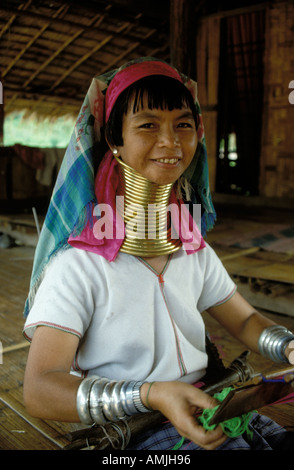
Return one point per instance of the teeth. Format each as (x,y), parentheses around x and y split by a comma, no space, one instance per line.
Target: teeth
(167,160)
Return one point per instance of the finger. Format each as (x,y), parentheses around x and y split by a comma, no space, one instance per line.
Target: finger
(202,399)
(211,444)
(206,439)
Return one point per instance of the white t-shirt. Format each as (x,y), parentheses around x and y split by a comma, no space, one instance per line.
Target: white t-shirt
(132,323)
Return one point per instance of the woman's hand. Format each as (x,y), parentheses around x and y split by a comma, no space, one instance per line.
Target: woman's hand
(179,402)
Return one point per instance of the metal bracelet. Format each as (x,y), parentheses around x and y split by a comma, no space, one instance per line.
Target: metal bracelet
(95,402)
(126,396)
(107,402)
(83,399)
(116,402)
(273,342)
(100,400)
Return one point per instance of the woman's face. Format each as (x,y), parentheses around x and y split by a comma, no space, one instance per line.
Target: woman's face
(158,144)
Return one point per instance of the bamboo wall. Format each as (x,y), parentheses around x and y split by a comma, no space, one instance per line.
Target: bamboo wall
(277,153)
(208,39)
(277,139)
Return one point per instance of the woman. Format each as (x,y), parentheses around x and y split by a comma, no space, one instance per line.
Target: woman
(121,303)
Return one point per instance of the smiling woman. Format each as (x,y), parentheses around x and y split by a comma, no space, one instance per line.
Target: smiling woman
(116,324)
(154,131)
(159,144)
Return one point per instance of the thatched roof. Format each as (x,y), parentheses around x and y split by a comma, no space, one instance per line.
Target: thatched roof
(50,50)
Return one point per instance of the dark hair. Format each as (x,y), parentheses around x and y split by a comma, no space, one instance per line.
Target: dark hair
(163,93)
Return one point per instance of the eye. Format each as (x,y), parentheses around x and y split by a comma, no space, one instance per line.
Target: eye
(146,125)
(186,125)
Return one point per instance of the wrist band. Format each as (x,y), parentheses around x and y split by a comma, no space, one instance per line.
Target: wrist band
(273,342)
(126,396)
(147,397)
(100,400)
(137,398)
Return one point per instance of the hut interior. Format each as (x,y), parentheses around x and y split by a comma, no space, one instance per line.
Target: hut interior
(241,55)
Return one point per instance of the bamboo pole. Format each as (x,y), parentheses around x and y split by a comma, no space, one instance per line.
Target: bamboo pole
(247,251)
(15,347)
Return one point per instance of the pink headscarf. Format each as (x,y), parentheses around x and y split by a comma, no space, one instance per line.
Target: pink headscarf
(131,74)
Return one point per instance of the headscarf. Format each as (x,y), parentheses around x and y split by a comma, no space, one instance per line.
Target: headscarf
(71,207)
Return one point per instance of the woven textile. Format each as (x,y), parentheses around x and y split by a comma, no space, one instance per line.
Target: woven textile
(267,435)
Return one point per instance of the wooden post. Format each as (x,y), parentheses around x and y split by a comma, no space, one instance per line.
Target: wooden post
(1,113)
(183,36)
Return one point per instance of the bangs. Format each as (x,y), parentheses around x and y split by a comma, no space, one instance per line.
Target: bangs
(161,92)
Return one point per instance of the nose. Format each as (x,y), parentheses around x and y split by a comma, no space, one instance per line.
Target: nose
(168,137)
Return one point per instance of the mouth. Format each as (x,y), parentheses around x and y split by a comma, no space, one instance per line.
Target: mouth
(169,161)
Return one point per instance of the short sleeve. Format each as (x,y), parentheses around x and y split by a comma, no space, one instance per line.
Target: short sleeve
(64,299)
(218,287)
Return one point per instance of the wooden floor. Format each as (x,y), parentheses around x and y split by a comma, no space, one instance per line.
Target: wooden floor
(18,431)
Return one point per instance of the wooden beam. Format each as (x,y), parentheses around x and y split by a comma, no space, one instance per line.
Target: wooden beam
(27,46)
(59,50)
(89,54)
(32,94)
(240,10)
(31,42)
(80,61)
(11,20)
(1,113)
(53,56)
(118,58)
(183,36)
(71,24)
(125,53)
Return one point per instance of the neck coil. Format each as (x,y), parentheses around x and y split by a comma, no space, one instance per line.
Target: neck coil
(144,211)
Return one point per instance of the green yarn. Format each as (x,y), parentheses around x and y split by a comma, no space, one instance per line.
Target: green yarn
(179,444)
(233,427)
